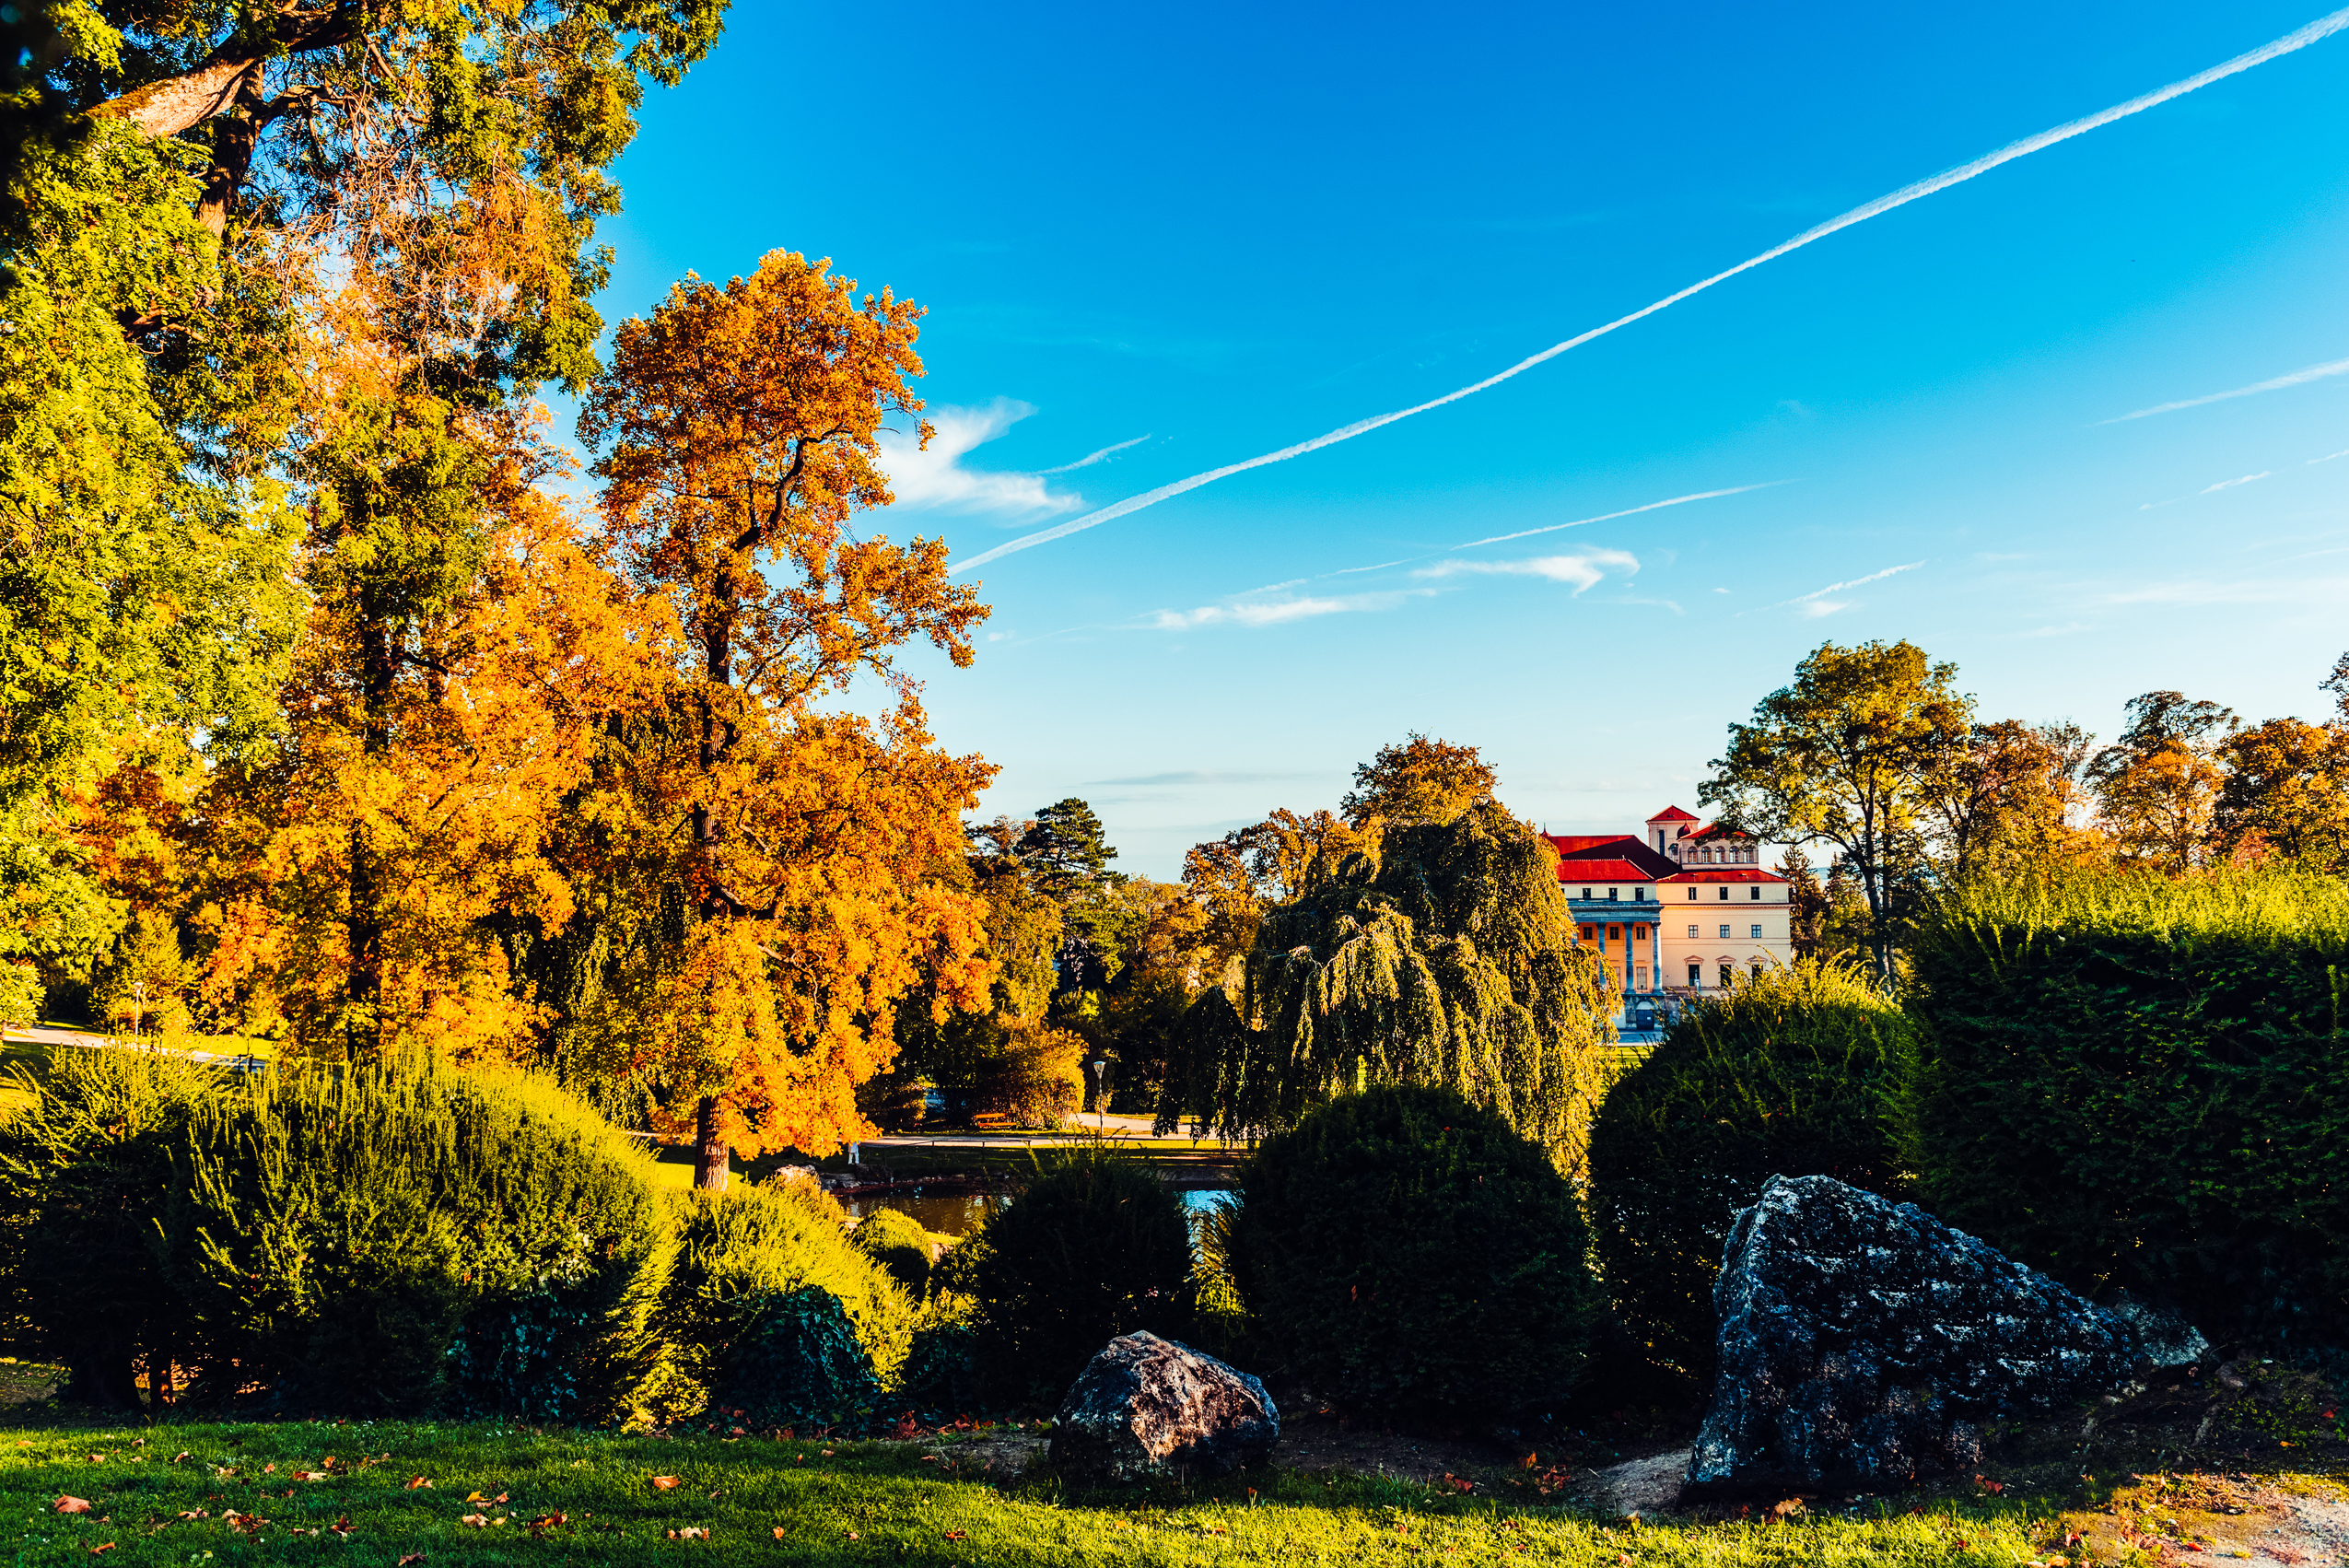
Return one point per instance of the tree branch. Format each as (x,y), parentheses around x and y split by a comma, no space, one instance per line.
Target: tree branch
(180,103)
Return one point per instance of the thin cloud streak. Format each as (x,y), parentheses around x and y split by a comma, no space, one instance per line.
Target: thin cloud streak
(1091,458)
(2323,28)
(1279,611)
(1627,511)
(1584,569)
(2298,378)
(1817,596)
(2230,483)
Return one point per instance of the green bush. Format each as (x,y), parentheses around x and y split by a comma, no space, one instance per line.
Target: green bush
(940,1379)
(2131,1079)
(740,1250)
(83,1170)
(405,1236)
(796,1362)
(1405,1251)
(398,1237)
(896,1241)
(1093,1246)
(1794,1073)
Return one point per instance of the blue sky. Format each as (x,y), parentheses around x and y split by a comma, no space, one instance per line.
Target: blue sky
(1198,234)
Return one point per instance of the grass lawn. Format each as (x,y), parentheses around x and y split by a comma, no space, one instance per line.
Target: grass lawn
(313,1492)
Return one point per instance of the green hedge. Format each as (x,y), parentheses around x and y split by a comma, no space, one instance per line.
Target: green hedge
(1794,1073)
(1093,1246)
(1403,1251)
(897,1242)
(2127,1080)
(739,1252)
(391,1238)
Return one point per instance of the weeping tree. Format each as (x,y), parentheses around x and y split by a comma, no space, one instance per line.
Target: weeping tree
(1444,954)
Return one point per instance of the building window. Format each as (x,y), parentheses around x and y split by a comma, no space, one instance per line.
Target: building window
(1754,893)
(1757,933)
(1692,896)
(1640,982)
(1587,933)
(1758,970)
(1586,893)
(1639,933)
(1638,895)
(1728,976)
(1610,894)
(1724,933)
(1615,934)
(1692,933)
(1724,896)
(1696,971)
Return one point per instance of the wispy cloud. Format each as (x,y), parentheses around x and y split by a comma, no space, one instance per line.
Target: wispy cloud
(1583,569)
(1091,458)
(2230,483)
(1627,511)
(935,479)
(2326,458)
(1280,612)
(2324,27)
(2298,378)
(1816,603)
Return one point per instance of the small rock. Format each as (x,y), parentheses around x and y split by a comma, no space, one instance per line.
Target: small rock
(1863,1343)
(1146,1405)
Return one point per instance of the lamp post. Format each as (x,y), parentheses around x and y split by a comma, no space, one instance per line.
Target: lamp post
(1100,1066)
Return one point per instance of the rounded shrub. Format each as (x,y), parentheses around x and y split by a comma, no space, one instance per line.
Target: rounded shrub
(795,1360)
(404,1236)
(896,1241)
(1403,1251)
(1094,1245)
(737,1253)
(1797,1072)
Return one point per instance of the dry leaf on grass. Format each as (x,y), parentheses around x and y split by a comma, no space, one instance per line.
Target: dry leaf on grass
(73,1505)
(664,1484)
(691,1532)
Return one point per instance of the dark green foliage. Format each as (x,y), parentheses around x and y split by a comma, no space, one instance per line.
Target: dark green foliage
(751,1246)
(795,1362)
(941,1380)
(404,1236)
(2133,1079)
(1449,958)
(896,1241)
(1094,1246)
(1795,1073)
(82,1169)
(1404,1251)
(399,1237)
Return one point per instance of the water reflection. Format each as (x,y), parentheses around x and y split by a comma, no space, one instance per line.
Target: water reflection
(959,1213)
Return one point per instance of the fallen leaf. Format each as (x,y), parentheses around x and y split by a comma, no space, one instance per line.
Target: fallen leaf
(827,1453)
(691,1532)
(664,1484)
(72,1505)
(550,1521)
(499,1498)
(415,1481)
(475,1497)
(478,1521)
(96,1549)
(957,1535)
(182,1454)
(778,1533)
(411,1559)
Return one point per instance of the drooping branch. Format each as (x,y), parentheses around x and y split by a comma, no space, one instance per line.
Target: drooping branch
(174,104)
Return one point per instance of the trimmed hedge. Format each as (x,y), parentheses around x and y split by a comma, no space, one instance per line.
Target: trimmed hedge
(737,1250)
(395,1238)
(2129,1079)
(1795,1073)
(1095,1245)
(796,1362)
(1403,1251)
(896,1241)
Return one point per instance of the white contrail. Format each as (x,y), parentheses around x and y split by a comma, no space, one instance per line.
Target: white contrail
(1627,511)
(2321,27)
(1091,458)
(2313,373)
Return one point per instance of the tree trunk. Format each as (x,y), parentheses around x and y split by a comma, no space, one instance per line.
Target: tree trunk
(178,103)
(710,1153)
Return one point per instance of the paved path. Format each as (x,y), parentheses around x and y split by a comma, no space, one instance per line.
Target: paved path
(47,1034)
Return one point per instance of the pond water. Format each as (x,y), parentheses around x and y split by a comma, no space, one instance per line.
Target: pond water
(959,1213)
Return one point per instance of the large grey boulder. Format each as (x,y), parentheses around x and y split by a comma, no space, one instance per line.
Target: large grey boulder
(1146,1406)
(1863,1343)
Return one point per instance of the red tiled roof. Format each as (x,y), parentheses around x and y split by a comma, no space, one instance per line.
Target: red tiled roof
(1582,873)
(1673,813)
(1723,874)
(1578,850)
(1713,830)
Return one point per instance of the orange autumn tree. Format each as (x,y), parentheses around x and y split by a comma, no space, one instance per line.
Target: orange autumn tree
(786,844)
